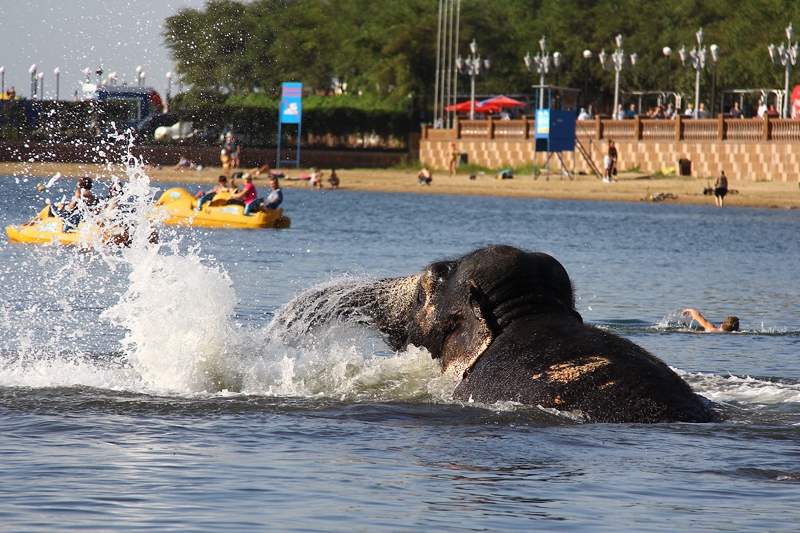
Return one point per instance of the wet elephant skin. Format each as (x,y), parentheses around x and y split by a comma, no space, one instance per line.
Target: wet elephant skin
(503,322)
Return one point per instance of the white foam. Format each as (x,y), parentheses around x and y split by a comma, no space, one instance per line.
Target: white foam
(743,390)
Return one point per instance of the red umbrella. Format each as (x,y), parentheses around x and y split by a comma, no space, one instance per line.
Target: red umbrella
(501,101)
(464,107)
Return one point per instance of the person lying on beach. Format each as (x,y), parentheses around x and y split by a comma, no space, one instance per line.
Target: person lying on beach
(182,164)
(730,324)
(256,172)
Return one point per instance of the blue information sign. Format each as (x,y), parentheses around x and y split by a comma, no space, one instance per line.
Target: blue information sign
(542,124)
(291,103)
(290,111)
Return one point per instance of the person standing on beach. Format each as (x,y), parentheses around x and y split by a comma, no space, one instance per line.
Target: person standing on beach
(453,159)
(225,160)
(234,149)
(720,188)
(610,163)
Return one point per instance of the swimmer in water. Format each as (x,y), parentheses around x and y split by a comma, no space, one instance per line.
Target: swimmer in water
(730,324)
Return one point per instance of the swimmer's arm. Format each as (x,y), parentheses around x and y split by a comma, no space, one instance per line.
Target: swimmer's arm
(695,314)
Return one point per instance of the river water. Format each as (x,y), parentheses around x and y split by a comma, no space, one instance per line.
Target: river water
(142,389)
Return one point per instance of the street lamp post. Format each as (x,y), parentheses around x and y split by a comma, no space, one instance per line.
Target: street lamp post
(541,64)
(587,55)
(714,49)
(169,86)
(41,86)
(142,76)
(667,51)
(2,80)
(139,75)
(618,61)
(696,59)
(472,66)
(32,71)
(787,57)
(57,72)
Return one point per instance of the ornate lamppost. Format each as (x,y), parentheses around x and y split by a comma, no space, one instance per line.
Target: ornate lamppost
(587,56)
(787,57)
(696,58)
(169,86)
(714,49)
(57,72)
(473,66)
(667,51)
(618,61)
(542,64)
(32,72)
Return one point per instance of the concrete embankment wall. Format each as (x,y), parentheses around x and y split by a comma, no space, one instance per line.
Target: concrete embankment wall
(748,160)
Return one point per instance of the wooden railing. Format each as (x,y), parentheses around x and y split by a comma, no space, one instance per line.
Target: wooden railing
(679,129)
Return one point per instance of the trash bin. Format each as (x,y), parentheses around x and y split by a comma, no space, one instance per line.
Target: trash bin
(685,167)
(463,158)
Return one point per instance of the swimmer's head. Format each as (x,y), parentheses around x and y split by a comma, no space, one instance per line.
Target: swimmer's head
(731,324)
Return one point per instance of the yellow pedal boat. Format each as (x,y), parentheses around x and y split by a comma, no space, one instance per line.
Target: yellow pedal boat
(45,228)
(180,205)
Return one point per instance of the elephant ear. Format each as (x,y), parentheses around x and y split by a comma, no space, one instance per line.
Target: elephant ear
(469,335)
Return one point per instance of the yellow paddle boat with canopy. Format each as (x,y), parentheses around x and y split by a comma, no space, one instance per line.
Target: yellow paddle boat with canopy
(180,208)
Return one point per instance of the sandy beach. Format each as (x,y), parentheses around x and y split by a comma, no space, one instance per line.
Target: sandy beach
(631,187)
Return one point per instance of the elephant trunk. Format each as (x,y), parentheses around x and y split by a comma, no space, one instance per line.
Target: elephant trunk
(385,303)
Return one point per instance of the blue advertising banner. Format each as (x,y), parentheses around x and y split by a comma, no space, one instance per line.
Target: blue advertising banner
(291,103)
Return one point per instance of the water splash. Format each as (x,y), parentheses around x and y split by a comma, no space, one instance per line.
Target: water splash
(156,318)
(745,390)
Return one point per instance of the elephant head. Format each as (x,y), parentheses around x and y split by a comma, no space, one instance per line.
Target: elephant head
(503,321)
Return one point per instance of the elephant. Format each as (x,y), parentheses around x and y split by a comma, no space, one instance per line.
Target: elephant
(502,321)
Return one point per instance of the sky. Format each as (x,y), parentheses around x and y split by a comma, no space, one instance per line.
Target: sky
(71,35)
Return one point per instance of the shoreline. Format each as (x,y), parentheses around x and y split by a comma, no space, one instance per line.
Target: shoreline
(631,187)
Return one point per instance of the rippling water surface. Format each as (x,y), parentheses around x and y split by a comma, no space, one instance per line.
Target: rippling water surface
(142,389)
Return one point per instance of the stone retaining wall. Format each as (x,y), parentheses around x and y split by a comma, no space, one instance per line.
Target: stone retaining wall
(749,160)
